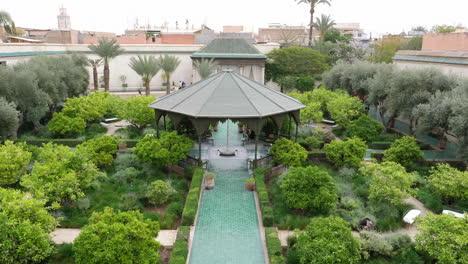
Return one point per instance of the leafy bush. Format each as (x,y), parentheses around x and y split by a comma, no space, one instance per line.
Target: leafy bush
(180,249)
(151,149)
(309,188)
(191,202)
(125,176)
(430,199)
(346,153)
(345,109)
(100,150)
(13,162)
(158,192)
(364,128)
(288,153)
(267,211)
(62,124)
(92,107)
(273,245)
(83,204)
(404,151)
(125,161)
(449,182)
(177,145)
(136,111)
(373,245)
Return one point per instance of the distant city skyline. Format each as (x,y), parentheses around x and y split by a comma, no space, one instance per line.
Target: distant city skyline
(376,17)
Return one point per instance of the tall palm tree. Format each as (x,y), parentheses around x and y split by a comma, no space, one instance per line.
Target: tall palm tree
(107,49)
(313,4)
(168,64)
(147,67)
(95,64)
(7,23)
(205,68)
(324,24)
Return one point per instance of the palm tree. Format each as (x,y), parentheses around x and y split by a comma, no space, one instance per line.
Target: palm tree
(313,4)
(147,67)
(95,64)
(7,23)
(324,24)
(168,64)
(205,68)
(107,49)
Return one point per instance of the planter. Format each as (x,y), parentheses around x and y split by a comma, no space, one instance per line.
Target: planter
(442,143)
(122,145)
(209,181)
(250,185)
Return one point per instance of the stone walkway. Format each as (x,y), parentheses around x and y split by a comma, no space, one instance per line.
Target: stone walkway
(113,127)
(67,235)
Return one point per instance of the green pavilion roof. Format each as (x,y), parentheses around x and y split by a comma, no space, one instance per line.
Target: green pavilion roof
(232,48)
(227,95)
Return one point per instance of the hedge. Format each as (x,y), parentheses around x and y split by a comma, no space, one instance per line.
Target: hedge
(273,244)
(380,145)
(66,142)
(263,199)
(191,203)
(180,249)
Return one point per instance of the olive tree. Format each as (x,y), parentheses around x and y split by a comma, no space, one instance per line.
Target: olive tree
(117,237)
(309,188)
(328,240)
(9,118)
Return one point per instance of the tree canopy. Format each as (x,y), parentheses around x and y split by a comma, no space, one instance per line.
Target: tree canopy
(346,153)
(136,111)
(328,240)
(404,151)
(117,237)
(288,153)
(449,182)
(13,162)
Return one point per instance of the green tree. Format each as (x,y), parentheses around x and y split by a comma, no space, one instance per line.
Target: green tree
(445,28)
(107,49)
(385,49)
(364,128)
(117,237)
(404,151)
(449,182)
(7,23)
(8,118)
(158,192)
(62,124)
(344,109)
(458,121)
(389,182)
(147,67)
(100,150)
(309,188)
(335,36)
(92,107)
(313,5)
(168,65)
(346,153)
(205,67)
(324,24)
(136,111)
(288,153)
(150,149)
(328,240)
(95,64)
(25,228)
(312,113)
(443,237)
(13,162)
(177,145)
(415,43)
(378,92)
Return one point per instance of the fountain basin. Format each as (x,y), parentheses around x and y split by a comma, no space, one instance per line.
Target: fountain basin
(227,153)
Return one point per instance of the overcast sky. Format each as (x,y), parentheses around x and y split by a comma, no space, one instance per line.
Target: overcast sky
(376,16)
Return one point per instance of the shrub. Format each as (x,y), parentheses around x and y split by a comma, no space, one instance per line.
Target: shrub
(9,118)
(404,151)
(347,173)
(343,109)
(150,149)
(288,153)
(83,203)
(191,202)
(346,153)
(430,199)
(449,182)
(267,211)
(180,249)
(125,176)
(13,162)
(62,124)
(273,245)
(136,111)
(125,161)
(158,192)
(175,208)
(100,150)
(309,188)
(364,128)
(373,245)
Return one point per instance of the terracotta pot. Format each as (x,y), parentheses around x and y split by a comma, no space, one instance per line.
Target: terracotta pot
(122,146)
(209,183)
(442,143)
(250,186)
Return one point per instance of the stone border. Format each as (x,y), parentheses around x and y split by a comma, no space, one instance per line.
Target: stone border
(260,224)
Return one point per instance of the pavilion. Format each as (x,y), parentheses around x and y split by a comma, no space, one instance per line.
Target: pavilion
(227,95)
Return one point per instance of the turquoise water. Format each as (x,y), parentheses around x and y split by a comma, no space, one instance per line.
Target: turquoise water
(227,229)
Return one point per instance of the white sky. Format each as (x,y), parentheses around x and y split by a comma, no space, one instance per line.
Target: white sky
(376,16)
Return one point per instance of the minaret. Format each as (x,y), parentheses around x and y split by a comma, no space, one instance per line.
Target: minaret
(63,20)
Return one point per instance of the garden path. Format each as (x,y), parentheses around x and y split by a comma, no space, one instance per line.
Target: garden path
(113,127)
(227,229)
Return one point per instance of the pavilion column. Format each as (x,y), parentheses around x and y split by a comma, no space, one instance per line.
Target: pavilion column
(297,131)
(164,120)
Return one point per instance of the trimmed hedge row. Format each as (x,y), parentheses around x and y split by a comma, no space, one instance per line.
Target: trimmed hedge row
(264,200)
(180,249)
(191,203)
(68,142)
(381,145)
(273,244)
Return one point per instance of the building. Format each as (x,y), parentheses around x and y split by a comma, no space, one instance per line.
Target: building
(235,54)
(63,20)
(353,29)
(284,35)
(447,52)
(11,53)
